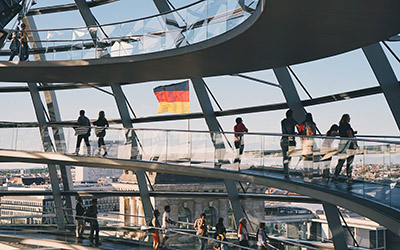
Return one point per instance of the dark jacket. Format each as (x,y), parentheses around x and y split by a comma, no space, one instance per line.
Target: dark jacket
(80,210)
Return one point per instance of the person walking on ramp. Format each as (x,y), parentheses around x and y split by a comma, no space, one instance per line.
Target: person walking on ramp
(346,147)
(239,138)
(100,132)
(288,143)
(83,132)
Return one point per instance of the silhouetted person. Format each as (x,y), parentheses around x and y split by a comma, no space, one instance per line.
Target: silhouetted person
(156,232)
(308,128)
(239,138)
(288,143)
(82,132)
(326,149)
(24,44)
(15,44)
(220,227)
(345,130)
(100,132)
(243,234)
(80,221)
(166,223)
(201,226)
(94,225)
(262,238)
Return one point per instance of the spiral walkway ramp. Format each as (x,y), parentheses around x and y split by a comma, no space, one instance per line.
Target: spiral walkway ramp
(276,34)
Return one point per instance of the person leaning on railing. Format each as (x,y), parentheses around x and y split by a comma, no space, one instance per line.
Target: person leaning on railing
(288,143)
(201,226)
(101,124)
(83,132)
(326,150)
(239,138)
(15,44)
(80,221)
(24,44)
(262,238)
(94,224)
(346,147)
(220,227)
(307,128)
(166,223)
(155,231)
(243,234)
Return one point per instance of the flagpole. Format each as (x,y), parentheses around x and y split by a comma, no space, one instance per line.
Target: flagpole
(188,139)
(189,136)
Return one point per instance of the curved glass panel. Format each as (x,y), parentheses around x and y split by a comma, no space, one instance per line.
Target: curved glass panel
(185,26)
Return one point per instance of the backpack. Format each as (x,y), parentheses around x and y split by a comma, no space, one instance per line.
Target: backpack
(306,129)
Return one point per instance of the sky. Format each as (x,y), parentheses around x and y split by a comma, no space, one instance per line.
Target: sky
(341,73)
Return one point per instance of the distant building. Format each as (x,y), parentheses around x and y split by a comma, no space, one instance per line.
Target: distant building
(84,174)
(302,224)
(27,181)
(27,209)
(39,209)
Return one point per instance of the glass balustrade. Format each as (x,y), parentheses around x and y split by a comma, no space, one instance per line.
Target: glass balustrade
(375,170)
(197,22)
(41,231)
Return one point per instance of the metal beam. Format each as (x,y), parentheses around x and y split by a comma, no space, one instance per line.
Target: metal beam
(218,143)
(86,14)
(92,25)
(386,77)
(162,5)
(140,175)
(332,216)
(48,147)
(180,194)
(290,93)
(58,132)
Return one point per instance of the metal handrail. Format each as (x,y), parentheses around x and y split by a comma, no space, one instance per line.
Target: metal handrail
(227,132)
(71,125)
(121,22)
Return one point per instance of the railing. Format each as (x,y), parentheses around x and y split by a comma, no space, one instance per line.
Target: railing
(123,232)
(374,175)
(185,26)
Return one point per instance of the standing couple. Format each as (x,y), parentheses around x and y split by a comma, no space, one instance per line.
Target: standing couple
(83,132)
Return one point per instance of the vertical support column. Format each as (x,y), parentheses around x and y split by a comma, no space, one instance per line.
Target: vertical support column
(332,215)
(37,104)
(140,175)
(213,125)
(58,133)
(55,116)
(290,93)
(386,77)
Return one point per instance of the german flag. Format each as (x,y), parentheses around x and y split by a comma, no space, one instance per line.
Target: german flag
(173,98)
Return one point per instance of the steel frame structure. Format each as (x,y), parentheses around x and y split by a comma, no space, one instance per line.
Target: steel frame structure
(374,53)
